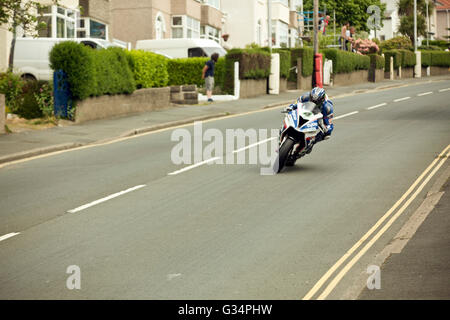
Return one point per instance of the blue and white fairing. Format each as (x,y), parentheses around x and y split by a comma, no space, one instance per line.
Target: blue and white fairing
(301,124)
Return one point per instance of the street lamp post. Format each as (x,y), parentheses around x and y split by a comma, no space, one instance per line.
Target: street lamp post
(315,26)
(415,25)
(269,24)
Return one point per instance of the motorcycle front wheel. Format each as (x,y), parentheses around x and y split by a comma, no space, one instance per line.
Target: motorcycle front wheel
(284,152)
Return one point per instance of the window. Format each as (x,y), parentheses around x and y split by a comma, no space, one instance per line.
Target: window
(284,34)
(60,22)
(208,32)
(196,52)
(193,28)
(89,28)
(185,27)
(280,34)
(97,29)
(213,3)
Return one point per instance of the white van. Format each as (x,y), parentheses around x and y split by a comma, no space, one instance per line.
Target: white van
(182,48)
(31,55)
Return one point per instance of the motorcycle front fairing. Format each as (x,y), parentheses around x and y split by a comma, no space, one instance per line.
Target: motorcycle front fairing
(301,125)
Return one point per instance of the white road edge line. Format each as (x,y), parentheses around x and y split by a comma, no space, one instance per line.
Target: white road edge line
(9,235)
(346,115)
(377,106)
(425,93)
(442,90)
(112,196)
(402,99)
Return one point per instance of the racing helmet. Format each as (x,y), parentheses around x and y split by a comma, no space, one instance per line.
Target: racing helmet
(317,95)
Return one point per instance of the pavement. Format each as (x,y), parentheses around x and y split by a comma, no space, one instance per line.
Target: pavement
(421,270)
(32,143)
(137,225)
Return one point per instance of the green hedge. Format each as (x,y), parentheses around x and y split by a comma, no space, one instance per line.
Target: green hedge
(408,58)
(443,44)
(307,56)
(186,71)
(440,59)
(189,71)
(285,61)
(397,59)
(93,72)
(345,62)
(149,69)
(376,61)
(253,64)
(426,58)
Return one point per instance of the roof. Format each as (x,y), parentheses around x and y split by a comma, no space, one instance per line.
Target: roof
(442,5)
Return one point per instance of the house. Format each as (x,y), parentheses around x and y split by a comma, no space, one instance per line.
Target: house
(247,22)
(443,20)
(134,20)
(69,19)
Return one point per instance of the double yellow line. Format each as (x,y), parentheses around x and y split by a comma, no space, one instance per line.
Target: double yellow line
(436,164)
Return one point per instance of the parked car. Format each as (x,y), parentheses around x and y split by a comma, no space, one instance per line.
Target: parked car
(182,48)
(31,55)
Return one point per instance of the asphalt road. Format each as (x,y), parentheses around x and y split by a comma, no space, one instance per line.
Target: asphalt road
(216,231)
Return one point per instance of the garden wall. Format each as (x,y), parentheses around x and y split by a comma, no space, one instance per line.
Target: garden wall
(108,106)
(346,79)
(252,88)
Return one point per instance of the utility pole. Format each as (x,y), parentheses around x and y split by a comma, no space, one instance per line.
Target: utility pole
(269,24)
(315,26)
(428,23)
(415,25)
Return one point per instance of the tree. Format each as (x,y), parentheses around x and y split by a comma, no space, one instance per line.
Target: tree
(406,13)
(24,14)
(353,11)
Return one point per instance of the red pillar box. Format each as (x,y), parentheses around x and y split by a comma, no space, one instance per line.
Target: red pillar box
(318,71)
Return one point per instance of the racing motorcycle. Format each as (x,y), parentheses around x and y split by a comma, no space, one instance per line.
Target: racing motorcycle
(297,136)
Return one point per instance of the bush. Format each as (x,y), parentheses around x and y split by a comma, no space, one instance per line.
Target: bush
(307,56)
(400,42)
(443,44)
(29,106)
(186,71)
(344,61)
(93,72)
(440,59)
(112,72)
(77,61)
(376,61)
(426,58)
(430,47)
(149,69)
(11,86)
(285,61)
(397,59)
(253,64)
(408,58)
(219,73)
(366,46)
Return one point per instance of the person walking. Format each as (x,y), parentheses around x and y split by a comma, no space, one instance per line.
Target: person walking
(208,75)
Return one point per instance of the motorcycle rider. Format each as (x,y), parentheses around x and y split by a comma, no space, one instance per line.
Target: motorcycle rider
(321,100)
